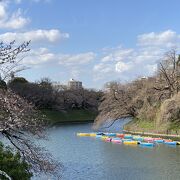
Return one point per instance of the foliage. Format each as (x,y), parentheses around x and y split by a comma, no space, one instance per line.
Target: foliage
(17,80)
(10,57)
(3,85)
(20,122)
(13,164)
(45,96)
(152,99)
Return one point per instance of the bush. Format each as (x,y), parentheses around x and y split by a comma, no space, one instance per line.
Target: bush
(13,165)
(3,85)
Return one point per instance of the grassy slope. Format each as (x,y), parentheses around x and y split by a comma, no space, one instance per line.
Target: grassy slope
(140,125)
(69,116)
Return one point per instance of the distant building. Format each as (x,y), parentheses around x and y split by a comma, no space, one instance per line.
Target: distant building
(73,84)
(59,86)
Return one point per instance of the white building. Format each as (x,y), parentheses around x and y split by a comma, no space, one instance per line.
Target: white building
(73,84)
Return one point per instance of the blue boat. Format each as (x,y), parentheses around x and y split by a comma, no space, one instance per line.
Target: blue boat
(138,138)
(128,137)
(98,136)
(146,144)
(126,140)
(100,133)
(171,143)
(111,134)
(117,138)
(159,141)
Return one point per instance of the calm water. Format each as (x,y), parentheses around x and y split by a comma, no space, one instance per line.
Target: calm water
(86,158)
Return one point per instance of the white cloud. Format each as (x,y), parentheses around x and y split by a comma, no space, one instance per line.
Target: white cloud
(103,68)
(2,12)
(77,59)
(43,55)
(36,1)
(40,36)
(73,64)
(15,20)
(109,64)
(39,56)
(166,38)
(121,66)
(151,68)
(129,63)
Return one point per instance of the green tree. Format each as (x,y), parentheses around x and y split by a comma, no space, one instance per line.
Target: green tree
(13,165)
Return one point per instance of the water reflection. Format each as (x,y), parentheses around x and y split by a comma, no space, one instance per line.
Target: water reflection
(89,158)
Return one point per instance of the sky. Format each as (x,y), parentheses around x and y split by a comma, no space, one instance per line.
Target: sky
(93,41)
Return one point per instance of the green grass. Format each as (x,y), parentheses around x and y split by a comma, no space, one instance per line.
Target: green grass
(69,116)
(149,126)
(140,125)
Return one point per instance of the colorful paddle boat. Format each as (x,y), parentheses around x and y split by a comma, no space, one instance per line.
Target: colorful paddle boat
(178,143)
(138,138)
(158,140)
(116,140)
(146,144)
(171,143)
(83,134)
(126,140)
(98,136)
(120,135)
(108,139)
(148,139)
(111,134)
(130,142)
(128,136)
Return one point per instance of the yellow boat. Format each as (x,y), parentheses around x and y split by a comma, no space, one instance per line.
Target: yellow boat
(130,142)
(83,134)
(93,134)
(178,142)
(104,137)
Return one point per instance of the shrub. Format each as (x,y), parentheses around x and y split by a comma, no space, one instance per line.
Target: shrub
(13,165)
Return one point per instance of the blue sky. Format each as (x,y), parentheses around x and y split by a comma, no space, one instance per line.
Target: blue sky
(94,41)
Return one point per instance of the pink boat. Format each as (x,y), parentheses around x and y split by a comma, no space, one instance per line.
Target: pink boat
(149,139)
(116,141)
(108,139)
(157,138)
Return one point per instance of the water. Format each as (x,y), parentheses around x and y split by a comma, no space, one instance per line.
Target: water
(86,158)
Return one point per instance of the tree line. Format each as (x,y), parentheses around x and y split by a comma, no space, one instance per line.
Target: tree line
(20,124)
(44,95)
(155,99)
(21,120)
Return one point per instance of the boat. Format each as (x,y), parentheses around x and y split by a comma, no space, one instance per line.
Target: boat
(111,134)
(171,143)
(130,142)
(138,138)
(116,140)
(104,137)
(167,140)
(128,136)
(178,143)
(108,139)
(146,144)
(100,133)
(92,134)
(83,134)
(149,140)
(126,140)
(158,140)
(99,136)
(120,135)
